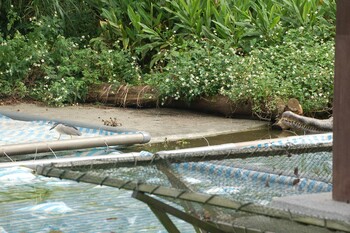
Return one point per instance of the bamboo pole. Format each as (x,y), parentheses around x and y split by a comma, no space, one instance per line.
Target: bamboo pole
(230,151)
(70,162)
(176,156)
(73,144)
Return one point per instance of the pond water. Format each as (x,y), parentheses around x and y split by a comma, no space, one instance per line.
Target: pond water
(260,134)
(32,203)
(35,204)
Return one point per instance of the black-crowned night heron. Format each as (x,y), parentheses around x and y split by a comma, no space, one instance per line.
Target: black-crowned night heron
(62,128)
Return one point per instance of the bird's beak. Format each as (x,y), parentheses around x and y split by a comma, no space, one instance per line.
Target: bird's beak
(52,127)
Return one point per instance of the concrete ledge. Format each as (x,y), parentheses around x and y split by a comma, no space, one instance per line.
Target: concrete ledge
(160,123)
(319,205)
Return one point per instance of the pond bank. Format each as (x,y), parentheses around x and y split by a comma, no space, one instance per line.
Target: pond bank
(162,123)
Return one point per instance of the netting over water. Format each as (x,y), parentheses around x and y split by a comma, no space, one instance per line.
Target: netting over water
(250,177)
(229,185)
(255,180)
(14,131)
(19,133)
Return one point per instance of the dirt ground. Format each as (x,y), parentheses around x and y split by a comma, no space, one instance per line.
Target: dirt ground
(161,123)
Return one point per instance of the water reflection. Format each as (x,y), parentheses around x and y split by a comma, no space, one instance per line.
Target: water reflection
(260,134)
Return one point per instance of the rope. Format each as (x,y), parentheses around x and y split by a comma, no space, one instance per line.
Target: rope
(8,156)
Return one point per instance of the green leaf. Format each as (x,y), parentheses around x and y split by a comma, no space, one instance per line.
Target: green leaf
(150,31)
(134,18)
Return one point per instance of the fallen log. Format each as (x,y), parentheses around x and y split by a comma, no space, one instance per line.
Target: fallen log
(219,105)
(148,97)
(123,96)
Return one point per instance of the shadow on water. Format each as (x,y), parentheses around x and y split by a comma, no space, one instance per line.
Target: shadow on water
(260,134)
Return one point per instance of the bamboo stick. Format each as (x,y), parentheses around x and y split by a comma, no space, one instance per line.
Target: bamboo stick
(177,156)
(70,162)
(73,144)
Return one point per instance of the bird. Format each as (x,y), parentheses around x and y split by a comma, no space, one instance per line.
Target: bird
(66,129)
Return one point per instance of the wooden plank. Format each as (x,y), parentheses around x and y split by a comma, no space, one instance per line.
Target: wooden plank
(177,183)
(341,110)
(165,220)
(177,213)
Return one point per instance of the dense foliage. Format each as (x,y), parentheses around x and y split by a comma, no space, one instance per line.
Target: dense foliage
(258,51)
(298,67)
(45,65)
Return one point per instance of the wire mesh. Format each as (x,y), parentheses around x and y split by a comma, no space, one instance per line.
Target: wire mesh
(257,178)
(231,187)
(52,205)
(234,190)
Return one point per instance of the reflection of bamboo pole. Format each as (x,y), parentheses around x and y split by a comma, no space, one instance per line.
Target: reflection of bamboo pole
(73,144)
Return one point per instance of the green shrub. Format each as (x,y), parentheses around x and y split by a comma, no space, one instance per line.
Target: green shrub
(18,58)
(196,68)
(196,48)
(77,17)
(56,70)
(71,70)
(297,68)
(149,27)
